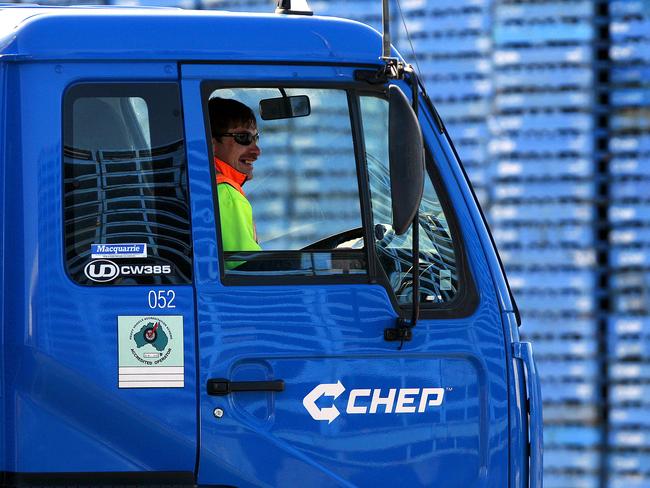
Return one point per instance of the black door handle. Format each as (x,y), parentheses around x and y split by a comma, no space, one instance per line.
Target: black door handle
(222,386)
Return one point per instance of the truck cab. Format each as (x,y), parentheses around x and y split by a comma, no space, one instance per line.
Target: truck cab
(137,350)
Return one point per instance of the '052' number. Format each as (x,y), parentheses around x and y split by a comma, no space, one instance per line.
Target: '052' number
(162,299)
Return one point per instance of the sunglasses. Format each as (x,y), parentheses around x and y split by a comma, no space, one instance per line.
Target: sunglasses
(242,138)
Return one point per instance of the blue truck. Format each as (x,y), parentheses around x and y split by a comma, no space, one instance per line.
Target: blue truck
(354,348)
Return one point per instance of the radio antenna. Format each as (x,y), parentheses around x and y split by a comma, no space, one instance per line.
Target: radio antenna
(385,18)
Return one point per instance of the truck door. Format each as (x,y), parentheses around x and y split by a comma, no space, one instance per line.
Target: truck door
(297,384)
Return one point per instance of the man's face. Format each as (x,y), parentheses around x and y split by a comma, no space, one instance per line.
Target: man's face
(237,155)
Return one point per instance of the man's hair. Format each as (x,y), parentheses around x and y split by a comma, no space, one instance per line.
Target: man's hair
(226,113)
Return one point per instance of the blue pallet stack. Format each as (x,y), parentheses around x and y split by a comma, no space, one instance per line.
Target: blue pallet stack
(543,215)
(629,239)
(258,6)
(452,44)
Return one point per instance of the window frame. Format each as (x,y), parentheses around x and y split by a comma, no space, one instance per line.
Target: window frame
(466,300)
(210,86)
(121,88)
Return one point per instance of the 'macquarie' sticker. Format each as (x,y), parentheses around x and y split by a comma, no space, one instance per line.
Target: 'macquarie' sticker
(118,251)
(150,350)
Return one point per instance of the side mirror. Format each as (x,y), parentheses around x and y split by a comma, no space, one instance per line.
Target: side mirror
(406,158)
(284,107)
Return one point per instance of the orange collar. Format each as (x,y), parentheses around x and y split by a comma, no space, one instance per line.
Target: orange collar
(228,174)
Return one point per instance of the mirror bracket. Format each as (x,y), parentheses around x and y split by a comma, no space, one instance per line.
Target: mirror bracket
(394,69)
(402,332)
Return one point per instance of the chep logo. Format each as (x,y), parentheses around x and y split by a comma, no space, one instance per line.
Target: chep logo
(101,270)
(362,401)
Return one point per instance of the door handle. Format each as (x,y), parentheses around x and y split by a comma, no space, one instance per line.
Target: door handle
(222,386)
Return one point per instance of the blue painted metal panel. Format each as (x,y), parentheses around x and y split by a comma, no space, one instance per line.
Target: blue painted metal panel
(61,351)
(524,351)
(332,335)
(3,151)
(48,36)
(519,420)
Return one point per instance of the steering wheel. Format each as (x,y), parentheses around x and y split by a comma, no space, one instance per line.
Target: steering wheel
(335,240)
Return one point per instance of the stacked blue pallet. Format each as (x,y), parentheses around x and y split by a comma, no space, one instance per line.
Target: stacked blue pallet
(543,215)
(629,217)
(452,44)
(260,6)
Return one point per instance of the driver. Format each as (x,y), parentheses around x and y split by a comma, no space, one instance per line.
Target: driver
(234,145)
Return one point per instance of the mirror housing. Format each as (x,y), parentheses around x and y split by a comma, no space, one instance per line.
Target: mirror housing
(406,159)
(285,107)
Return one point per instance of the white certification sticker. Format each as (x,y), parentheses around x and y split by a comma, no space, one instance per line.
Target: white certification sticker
(150,350)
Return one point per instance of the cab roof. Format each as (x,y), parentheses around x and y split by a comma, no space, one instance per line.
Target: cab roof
(168,34)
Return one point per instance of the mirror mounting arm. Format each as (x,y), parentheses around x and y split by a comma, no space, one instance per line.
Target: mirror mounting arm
(403,331)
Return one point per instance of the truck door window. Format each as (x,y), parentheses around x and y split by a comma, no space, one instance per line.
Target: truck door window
(125,185)
(291,207)
(438,269)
